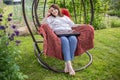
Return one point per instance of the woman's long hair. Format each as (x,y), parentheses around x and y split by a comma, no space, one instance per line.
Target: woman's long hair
(58,8)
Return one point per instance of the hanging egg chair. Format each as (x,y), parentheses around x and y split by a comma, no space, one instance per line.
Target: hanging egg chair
(80,12)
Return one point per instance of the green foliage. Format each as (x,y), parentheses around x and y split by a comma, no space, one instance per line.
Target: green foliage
(97,22)
(115,4)
(1,10)
(114,13)
(114,9)
(100,7)
(9,52)
(115,22)
(9,70)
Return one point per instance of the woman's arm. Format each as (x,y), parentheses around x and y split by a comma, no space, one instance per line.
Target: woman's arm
(46,16)
(76,25)
(69,21)
(44,20)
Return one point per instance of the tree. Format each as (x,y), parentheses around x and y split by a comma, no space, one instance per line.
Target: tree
(115,4)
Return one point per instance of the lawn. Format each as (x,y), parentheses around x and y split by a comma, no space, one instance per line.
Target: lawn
(105,66)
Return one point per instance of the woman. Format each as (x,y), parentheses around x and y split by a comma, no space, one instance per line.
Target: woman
(57,21)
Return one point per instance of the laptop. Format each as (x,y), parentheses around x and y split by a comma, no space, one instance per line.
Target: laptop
(60,33)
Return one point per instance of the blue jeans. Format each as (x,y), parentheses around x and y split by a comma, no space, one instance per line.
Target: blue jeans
(68,45)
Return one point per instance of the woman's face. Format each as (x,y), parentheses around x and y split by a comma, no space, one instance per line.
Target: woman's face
(54,11)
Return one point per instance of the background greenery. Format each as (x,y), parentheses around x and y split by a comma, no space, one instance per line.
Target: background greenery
(106,57)
(103,9)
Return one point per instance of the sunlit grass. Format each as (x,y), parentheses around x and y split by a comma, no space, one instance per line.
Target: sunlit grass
(105,66)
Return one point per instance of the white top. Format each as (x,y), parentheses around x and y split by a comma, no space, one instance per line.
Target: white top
(59,23)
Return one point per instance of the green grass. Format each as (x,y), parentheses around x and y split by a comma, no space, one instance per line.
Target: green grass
(105,66)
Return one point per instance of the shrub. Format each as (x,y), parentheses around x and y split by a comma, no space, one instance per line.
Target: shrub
(115,23)
(114,13)
(9,70)
(98,22)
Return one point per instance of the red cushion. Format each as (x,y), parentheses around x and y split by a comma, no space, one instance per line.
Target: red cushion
(65,12)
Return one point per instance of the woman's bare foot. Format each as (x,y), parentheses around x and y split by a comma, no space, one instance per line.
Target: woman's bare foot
(71,71)
(70,68)
(66,68)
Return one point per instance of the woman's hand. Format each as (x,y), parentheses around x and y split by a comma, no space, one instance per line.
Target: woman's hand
(46,16)
(49,12)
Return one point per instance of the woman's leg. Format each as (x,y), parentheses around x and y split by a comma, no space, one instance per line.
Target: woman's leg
(66,51)
(65,48)
(73,45)
(67,56)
